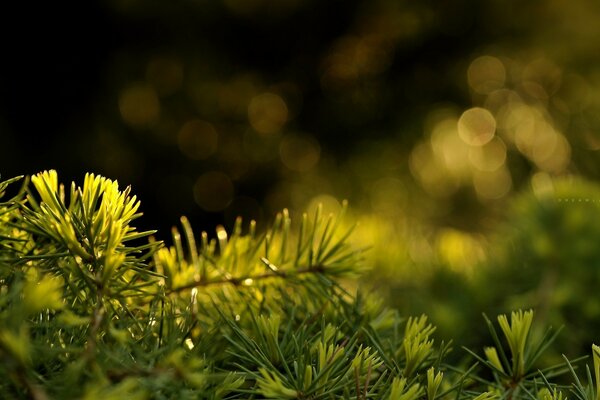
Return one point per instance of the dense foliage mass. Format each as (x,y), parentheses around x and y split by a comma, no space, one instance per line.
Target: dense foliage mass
(542,254)
(88,310)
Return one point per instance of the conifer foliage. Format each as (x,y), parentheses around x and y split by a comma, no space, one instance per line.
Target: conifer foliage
(92,308)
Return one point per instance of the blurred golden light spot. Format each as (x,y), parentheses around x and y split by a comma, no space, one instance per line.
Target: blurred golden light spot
(430,172)
(592,140)
(340,67)
(299,152)
(542,185)
(354,57)
(371,54)
(486,74)
(498,100)
(165,74)
(330,204)
(213,191)
(476,126)
(545,74)
(576,92)
(537,139)
(139,105)
(394,24)
(490,156)
(233,96)
(204,95)
(535,90)
(197,139)
(267,113)
(491,185)
(449,148)
(388,195)
(337,75)
(460,250)
(439,115)
(545,143)
(557,160)
(518,117)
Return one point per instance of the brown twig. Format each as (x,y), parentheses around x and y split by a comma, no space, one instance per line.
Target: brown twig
(96,321)
(237,281)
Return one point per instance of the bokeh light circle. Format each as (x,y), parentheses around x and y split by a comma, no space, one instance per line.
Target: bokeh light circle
(299,152)
(139,105)
(267,113)
(488,157)
(492,185)
(476,126)
(486,74)
(197,139)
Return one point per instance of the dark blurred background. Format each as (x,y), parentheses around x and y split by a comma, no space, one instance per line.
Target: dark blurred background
(437,120)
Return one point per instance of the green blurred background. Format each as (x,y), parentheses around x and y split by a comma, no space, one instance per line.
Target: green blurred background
(465,134)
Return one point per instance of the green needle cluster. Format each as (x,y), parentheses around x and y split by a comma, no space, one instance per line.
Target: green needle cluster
(91,308)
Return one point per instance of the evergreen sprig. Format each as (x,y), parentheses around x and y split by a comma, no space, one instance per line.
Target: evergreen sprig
(91,308)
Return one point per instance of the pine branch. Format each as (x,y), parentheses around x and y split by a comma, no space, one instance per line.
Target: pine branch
(86,311)
(248,280)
